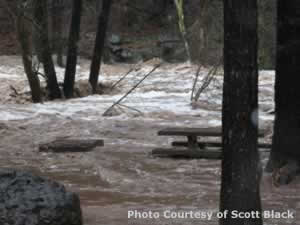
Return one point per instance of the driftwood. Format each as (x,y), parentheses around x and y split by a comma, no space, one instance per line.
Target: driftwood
(187,154)
(70,145)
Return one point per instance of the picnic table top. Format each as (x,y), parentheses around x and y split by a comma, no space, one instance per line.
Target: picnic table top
(187,131)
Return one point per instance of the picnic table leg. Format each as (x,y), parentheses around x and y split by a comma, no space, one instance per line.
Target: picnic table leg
(192,143)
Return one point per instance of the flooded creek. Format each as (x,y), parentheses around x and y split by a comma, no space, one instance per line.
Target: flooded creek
(122,176)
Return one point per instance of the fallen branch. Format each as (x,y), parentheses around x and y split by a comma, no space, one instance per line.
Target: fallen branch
(14,90)
(132,89)
(122,78)
(131,108)
(207,79)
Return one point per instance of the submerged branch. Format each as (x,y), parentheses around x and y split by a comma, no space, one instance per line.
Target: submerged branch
(132,89)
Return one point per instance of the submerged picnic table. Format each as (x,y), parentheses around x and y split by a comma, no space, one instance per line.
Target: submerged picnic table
(208,149)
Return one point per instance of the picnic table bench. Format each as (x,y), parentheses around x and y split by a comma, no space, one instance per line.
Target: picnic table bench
(208,149)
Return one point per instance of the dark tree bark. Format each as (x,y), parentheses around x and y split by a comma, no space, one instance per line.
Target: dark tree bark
(286,141)
(72,49)
(99,44)
(42,45)
(240,165)
(57,16)
(24,33)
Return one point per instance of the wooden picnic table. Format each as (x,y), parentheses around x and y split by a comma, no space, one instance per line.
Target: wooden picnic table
(193,144)
(192,134)
(187,131)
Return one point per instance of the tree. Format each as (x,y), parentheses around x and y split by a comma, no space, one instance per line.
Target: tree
(286,141)
(23,28)
(99,44)
(23,31)
(179,8)
(72,49)
(40,16)
(57,13)
(240,164)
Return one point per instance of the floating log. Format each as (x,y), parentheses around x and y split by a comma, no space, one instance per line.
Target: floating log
(70,145)
(187,154)
(205,144)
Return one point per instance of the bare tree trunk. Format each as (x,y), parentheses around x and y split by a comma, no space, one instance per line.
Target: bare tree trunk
(57,29)
(24,35)
(181,24)
(240,165)
(42,45)
(286,141)
(72,49)
(99,44)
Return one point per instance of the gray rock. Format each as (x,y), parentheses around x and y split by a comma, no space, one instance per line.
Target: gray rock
(82,88)
(115,49)
(26,199)
(124,55)
(114,39)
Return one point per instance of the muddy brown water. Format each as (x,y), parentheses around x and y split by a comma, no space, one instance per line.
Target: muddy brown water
(122,176)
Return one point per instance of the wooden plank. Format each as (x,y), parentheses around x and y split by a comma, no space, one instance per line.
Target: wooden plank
(186,154)
(184,131)
(215,154)
(187,131)
(71,145)
(201,144)
(204,144)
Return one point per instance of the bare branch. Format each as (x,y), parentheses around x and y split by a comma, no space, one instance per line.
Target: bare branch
(131,108)
(207,79)
(195,81)
(14,90)
(132,89)
(122,78)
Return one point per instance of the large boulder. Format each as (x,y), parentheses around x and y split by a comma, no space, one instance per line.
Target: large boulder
(26,199)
